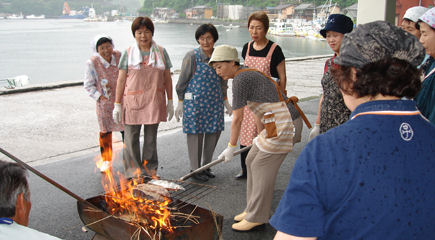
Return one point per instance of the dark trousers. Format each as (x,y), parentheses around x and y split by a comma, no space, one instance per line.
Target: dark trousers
(106,145)
(148,163)
(202,144)
(243,156)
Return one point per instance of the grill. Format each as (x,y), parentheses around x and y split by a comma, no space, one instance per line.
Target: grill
(196,223)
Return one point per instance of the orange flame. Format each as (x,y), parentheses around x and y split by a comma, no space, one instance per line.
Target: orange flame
(123,202)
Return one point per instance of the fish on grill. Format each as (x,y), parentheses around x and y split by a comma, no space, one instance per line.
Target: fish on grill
(166,184)
(153,192)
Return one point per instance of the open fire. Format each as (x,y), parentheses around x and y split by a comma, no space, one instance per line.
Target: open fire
(124,199)
(151,209)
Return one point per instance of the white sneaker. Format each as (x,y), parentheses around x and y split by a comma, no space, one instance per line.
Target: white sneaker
(105,166)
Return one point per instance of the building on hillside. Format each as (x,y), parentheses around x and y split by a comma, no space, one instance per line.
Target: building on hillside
(199,12)
(351,11)
(281,11)
(304,11)
(163,13)
(231,12)
(403,5)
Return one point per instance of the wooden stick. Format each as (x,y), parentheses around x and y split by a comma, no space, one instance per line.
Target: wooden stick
(65,190)
(294,101)
(207,166)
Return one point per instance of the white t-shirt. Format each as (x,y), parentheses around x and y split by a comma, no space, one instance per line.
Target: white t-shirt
(16,231)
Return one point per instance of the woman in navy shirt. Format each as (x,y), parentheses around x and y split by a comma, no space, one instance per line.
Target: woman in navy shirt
(371,177)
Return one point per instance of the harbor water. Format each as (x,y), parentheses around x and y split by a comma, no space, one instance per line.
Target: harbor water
(53,50)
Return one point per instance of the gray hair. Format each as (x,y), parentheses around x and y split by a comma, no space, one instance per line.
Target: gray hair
(13,181)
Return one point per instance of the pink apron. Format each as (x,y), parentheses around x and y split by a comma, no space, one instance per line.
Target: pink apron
(144,99)
(249,128)
(105,106)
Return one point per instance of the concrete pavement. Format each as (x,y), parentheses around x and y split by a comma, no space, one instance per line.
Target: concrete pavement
(53,124)
(55,212)
(56,131)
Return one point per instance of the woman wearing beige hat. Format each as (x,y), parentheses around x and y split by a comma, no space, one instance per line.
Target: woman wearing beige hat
(265,99)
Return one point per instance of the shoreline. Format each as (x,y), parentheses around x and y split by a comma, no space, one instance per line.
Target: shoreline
(50,123)
(54,85)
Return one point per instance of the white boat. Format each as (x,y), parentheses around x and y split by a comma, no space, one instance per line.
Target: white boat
(13,82)
(158,20)
(231,26)
(282,29)
(35,17)
(15,17)
(92,16)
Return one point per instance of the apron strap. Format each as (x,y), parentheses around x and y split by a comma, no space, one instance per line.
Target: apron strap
(292,99)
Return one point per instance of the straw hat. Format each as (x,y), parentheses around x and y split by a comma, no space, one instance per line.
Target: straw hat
(224,53)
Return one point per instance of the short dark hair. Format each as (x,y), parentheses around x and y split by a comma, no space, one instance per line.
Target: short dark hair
(13,181)
(390,76)
(205,28)
(142,22)
(259,16)
(410,21)
(102,41)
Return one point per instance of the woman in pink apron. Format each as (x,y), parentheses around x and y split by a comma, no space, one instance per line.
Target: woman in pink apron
(144,82)
(266,56)
(100,83)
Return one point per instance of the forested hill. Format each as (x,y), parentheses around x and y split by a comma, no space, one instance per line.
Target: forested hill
(54,7)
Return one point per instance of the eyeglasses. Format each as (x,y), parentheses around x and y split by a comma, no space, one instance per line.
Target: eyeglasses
(207,39)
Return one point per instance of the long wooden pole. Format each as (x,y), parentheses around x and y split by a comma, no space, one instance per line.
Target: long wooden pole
(64,189)
(207,166)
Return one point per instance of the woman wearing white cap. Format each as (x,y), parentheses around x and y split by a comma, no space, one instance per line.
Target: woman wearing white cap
(265,99)
(410,19)
(100,83)
(426,97)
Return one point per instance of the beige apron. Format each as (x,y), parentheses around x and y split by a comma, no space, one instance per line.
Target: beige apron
(144,95)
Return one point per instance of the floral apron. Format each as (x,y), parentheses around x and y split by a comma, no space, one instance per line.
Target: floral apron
(144,95)
(105,106)
(249,128)
(203,101)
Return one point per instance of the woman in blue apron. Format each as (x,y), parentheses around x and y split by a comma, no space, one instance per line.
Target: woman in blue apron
(202,96)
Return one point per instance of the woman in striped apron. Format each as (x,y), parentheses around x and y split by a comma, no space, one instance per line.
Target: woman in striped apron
(264,98)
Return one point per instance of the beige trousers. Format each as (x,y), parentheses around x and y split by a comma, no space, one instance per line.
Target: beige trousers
(262,170)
